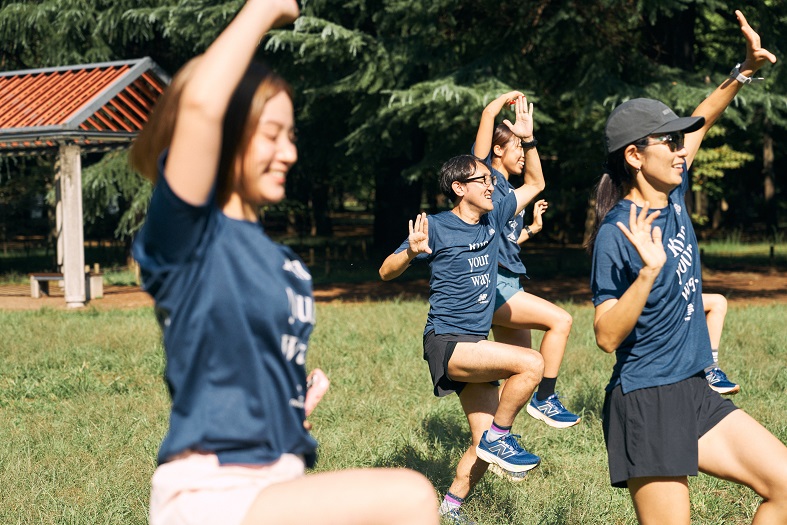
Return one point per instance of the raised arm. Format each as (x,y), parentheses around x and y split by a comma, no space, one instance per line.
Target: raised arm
(534,176)
(486,127)
(616,318)
(395,264)
(194,152)
(712,107)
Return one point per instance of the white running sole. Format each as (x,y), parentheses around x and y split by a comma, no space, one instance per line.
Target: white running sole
(726,391)
(492,459)
(534,412)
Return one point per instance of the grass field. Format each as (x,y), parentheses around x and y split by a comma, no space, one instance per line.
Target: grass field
(83,409)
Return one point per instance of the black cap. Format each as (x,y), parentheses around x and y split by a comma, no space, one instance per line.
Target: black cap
(639,117)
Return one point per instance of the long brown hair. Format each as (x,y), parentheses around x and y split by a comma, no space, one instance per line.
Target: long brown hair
(256,87)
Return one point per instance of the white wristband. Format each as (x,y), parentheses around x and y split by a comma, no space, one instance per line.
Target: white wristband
(740,77)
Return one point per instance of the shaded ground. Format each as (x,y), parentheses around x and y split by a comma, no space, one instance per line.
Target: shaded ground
(740,287)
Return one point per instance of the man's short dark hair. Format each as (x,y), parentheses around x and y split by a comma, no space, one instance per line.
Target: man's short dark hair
(459,168)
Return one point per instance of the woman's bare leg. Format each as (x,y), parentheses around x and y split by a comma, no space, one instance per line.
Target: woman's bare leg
(739,449)
(348,497)
(479,401)
(661,501)
(527,311)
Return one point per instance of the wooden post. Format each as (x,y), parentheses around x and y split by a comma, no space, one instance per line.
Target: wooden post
(70,231)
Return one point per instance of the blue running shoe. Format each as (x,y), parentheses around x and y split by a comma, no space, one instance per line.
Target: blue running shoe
(456,517)
(552,412)
(718,381)
(507,453)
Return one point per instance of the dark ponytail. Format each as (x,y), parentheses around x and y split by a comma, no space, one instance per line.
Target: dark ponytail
(610,190)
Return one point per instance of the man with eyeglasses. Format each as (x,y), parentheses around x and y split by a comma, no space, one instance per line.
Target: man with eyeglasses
(461,248)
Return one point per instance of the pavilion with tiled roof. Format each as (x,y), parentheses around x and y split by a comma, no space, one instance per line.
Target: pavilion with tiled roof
(68,111)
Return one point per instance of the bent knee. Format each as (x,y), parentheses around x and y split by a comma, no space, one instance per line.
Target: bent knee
(563,323)
(531,364)
(774,490)
(566,321)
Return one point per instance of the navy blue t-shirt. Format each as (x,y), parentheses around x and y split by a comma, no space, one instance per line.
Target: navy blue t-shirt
(236,311)
(670,341)
(463,266)
(509,234)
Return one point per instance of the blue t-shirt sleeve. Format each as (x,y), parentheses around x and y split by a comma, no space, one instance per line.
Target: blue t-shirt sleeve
(505,210)
(402,247)
(172,230)
(612,272)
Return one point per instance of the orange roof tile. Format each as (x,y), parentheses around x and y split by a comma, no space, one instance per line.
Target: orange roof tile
(93,104)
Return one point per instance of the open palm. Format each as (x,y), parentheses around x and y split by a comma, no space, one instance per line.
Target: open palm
(645,237)
(419,235)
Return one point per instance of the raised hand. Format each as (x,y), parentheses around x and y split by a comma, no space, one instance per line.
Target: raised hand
(506,99)
(523,127)
(645,237)
(538,211)
(756,55)
(317,384)
(419,235)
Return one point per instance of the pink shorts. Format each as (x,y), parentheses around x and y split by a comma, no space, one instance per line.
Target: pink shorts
(196,490)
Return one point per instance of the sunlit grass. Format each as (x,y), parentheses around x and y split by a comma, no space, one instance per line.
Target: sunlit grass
(84,408)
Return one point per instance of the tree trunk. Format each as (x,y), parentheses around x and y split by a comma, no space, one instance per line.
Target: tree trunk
(769,180)
(319,215)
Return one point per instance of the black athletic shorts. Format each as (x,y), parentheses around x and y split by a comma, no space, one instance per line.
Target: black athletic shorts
(438,349)
(654,431)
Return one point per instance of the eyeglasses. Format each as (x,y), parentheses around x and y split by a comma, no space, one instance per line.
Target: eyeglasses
(486,180)
(674,141)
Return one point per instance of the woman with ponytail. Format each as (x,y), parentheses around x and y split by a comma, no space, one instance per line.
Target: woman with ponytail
(510,149)
(662,422)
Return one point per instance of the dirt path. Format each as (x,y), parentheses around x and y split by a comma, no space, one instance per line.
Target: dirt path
(739,288)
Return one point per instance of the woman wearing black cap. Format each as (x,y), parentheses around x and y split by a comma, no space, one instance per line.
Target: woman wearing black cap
(662,422)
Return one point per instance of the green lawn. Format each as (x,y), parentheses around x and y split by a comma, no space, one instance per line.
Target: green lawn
(83,409)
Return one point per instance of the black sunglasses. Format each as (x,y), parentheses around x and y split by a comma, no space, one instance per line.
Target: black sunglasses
(674,141)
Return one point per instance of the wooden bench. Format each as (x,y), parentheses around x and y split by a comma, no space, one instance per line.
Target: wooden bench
(39,283)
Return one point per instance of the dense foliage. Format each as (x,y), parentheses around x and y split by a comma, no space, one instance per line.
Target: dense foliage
(389,89)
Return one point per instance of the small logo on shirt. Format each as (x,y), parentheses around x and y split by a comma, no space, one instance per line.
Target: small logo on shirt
(491,231)
(677,208)
(483,298)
